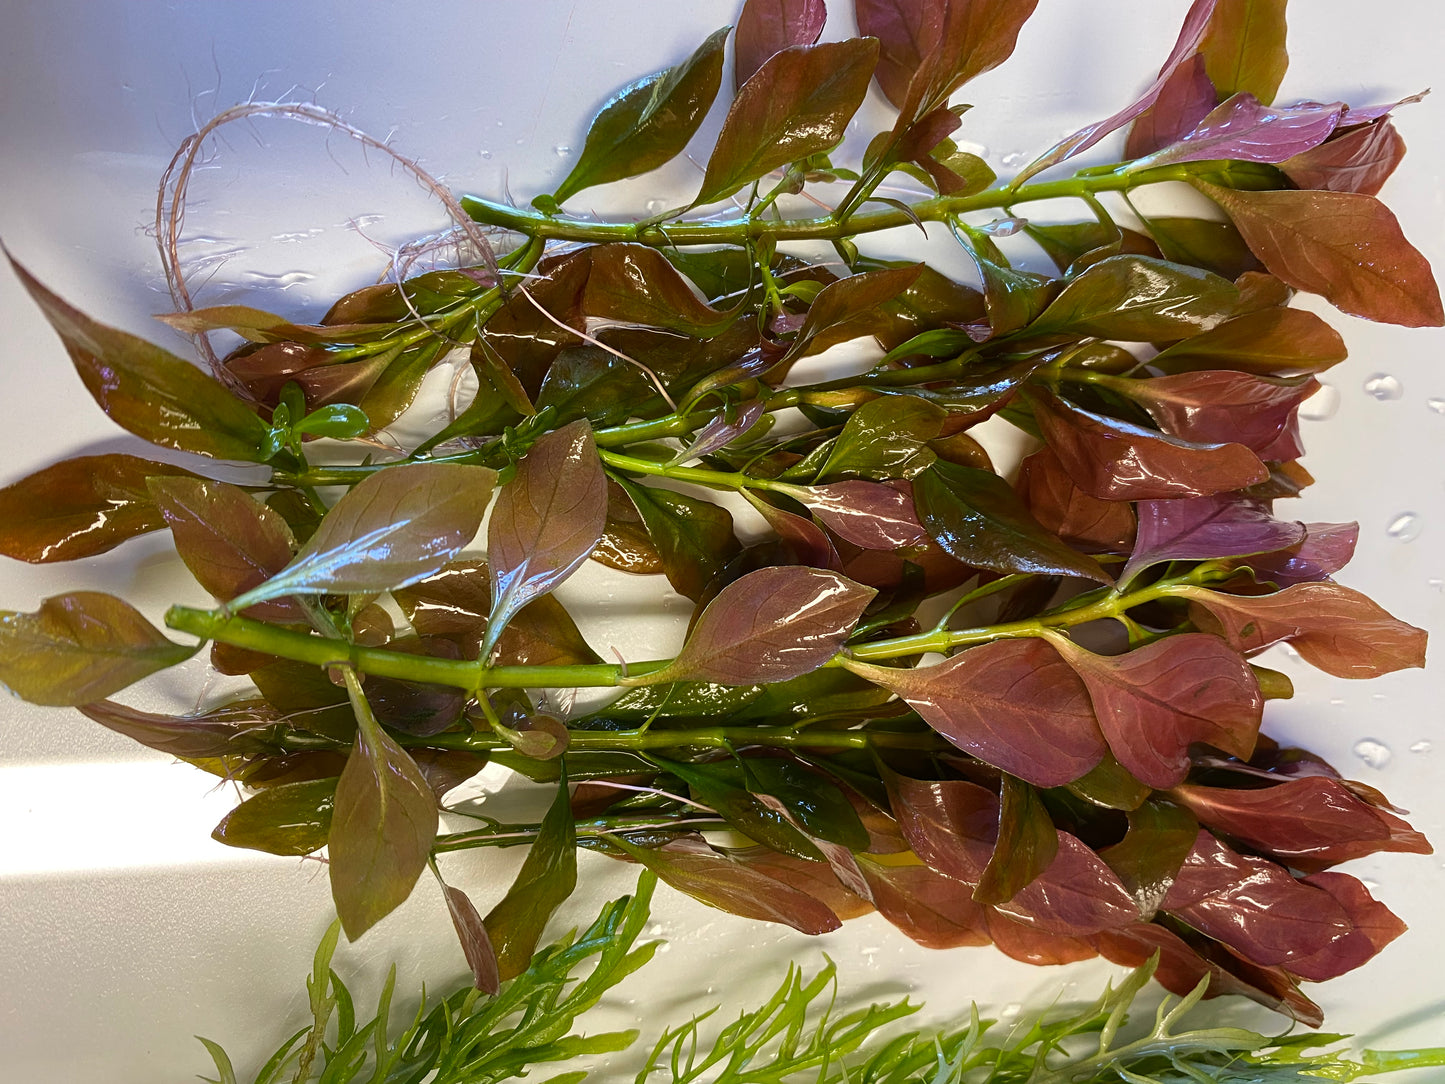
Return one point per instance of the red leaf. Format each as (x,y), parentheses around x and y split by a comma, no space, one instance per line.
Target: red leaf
(769,26)
(934,910)
(1116,460)
(1012,703)
(1360,160)
(1345,246)
(476,945)
(1220,406)
(1038,947)
(1201,528)
(906,33)
(1311,822)
(1154,701)
(872,515)
(1338,630)
(1092,524)
(1183,101)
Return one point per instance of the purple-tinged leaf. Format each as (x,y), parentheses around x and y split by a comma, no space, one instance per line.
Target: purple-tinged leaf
(1260,911)
(1139,299)
(809,542)
(1087,523)
(1203,528)
(1146,860)
(648,123)
(1368,114)
(1309,823)
(547,877)
(80,507)
(292,819)
(978,519)
(447,769)
(1183,101)
(907,33)
(1271,341)
(1026,844)
(928,907)
(1115,460)
(80,647)
(382,827)
(417,707)
(766,27)
(1014,704)
(1243,129)
(771,625)
(872,515)
(692,867)
(1360,160)
(472,934)
(397,526)
(972,37)
(1327,548)
(1345,246)
(694,538)
(548,520)
(149,391)
(799,103)
(1218,405)
(216,733)
(1375,926)
(1196,22)
(1077,895)
(1333,627)
(727,427)
(229,541)
(1244,47)
(1109,786)
(852,307)
(1153,702)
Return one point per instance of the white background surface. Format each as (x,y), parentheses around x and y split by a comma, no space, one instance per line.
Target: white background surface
(123,929)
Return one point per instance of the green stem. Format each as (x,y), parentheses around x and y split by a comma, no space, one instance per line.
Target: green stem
(699,475)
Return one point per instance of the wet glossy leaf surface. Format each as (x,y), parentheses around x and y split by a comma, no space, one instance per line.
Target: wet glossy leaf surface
(1200,528)
(1148,858)
(476,945)
(1139,299)
(768,26)
(694,538)
(547,877)
(1027,842)
(1360,160)
(292,819)
(1244,129)
(1270,341)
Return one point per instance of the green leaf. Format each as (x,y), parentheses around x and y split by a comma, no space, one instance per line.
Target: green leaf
(1160,836)
(813,801)
(1027,843)
(339,421)
(852,307)
(1202,242)
(149,391)
(649,122)
(976,517)
(883,439)
(292,819)
(382,826)
(693,537)
(80,647)
(1139,299)
(221,1060)
(588,382)
(80,507)
(799,103)
(1244,48)
(722,787)
(397,526)
(546,879)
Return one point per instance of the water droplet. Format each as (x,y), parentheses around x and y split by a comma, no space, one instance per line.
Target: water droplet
(486,154)
(1322,405)
(519,140)
(1437,405)
(1422,746)
(500,123)
(656,205)
(561,150)
(1291,655)
(1011,1010)
(1436,583)
(1337,702)
(1405,527)
(1383,386)
(1375,754)
(1013,158)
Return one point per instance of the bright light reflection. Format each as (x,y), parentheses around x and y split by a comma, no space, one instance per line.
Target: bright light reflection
(87,818)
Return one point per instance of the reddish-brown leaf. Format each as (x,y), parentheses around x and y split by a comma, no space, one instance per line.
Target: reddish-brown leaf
(1012,703)
(766,27)
(1358,160)
(476,945)
(1091,524)
(871,515)
(1156,700)
(930,908)
(1345,246)
(1333,627)
(1273,341)
(1216,406)
(215,733)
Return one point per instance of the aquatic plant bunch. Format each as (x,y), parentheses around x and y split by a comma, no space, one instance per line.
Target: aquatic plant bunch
(999,707)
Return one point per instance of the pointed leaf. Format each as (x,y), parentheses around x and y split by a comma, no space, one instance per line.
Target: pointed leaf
(1327,548)
(649,122)
(1245,130)
(722,788)
(1183,101)
(547,877)
(1268,342)
(1359,160)
(766,27)
(934,910)
(691,866)
(1196,22)
(453,602)
(1148,858)
(906,33)
(1338,630)
(808,542)
(728,426)
(1087,523)
(229,541)
(1345,246)
(1014,704)
(1214,246)
(547,521)
(80,647)
(1116,460)
(1027,842)
(382,827)
(1244,47)
(149,391)
(885,438)
(852,307)
(476,945)
(637,284)
(694,538)
(220,732)
(1139,299)
(293,819)
(80,507)
(1153,702)
(1203,528)
(798,104)
(868,514)
(771,625)
(1215,406)
(978,519)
